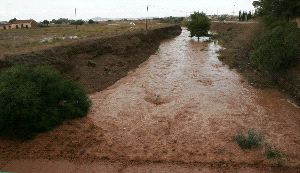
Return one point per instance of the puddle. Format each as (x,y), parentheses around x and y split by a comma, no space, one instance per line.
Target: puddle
(52,39)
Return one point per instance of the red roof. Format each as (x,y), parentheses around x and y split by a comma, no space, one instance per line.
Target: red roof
(22,21)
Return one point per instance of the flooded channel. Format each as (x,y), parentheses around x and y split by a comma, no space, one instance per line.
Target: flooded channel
(183,105)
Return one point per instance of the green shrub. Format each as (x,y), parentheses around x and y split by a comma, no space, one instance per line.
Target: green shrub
(277,49)
(272,22)
(252,140)
(272,153)
(275,155)
(36,99)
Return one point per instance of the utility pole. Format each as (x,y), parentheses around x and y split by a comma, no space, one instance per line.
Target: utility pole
(75,17)
(147,18)
(233,13)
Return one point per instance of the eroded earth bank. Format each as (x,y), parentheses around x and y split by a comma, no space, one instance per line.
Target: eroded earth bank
(177,112)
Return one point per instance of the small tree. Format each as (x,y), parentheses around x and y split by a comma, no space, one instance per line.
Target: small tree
(198,25)
(12,20)
(46,22)
(91,21)
(249,15)
(244,16)
(77,22)
(240,15)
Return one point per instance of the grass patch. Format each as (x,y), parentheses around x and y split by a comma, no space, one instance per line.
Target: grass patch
(251,140)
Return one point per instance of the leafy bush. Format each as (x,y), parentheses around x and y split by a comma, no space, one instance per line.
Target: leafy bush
(276,49)
(199,25)
(36,99)
(272,22)
(252,140)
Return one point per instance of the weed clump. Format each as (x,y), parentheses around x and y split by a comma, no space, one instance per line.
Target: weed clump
(37,99)
(252,140)
(272,153)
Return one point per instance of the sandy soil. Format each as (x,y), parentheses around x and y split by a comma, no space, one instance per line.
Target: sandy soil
(177,112)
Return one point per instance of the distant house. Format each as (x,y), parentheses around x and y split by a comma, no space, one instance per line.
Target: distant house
(19,24)
(5,26)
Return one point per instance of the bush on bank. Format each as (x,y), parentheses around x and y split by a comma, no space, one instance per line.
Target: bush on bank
(37,99)
(277,48)
(198,25)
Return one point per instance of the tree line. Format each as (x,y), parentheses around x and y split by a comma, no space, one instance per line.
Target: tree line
(277,48)
(60,21)
(68,21)
(245,16)
(285,9)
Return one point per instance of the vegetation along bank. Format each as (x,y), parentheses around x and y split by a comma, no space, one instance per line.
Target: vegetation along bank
(267,52)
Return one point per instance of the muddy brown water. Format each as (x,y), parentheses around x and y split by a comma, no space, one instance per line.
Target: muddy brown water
(183,106)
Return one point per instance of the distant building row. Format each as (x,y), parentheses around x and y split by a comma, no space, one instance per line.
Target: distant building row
(19,24)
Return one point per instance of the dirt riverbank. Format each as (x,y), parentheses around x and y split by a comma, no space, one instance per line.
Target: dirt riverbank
(97,63)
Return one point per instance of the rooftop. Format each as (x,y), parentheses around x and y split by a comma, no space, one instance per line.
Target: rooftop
(22,21)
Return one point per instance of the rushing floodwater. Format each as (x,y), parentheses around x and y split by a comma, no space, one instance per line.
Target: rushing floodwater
(184,105)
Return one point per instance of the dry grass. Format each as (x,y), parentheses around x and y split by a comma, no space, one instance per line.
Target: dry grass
(27,40)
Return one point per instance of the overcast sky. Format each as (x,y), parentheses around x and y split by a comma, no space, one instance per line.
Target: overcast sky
(50,9)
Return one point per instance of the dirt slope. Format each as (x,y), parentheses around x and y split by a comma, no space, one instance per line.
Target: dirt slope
(98,63)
